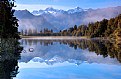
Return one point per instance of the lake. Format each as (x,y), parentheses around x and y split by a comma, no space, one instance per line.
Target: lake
(69,59)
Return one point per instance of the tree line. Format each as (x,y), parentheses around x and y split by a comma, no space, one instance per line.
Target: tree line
(105,28)
(34,32)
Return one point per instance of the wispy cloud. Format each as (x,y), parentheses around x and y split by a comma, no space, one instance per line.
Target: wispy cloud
(32,7)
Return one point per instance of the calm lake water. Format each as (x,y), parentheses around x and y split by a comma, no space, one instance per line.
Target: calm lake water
(69,59)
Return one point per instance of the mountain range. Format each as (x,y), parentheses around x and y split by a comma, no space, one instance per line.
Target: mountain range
(60,19)
(51,10)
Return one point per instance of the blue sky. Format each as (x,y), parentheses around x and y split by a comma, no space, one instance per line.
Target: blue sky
(65,4)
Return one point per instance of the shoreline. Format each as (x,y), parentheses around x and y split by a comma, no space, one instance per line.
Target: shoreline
(54,37)
(62,38)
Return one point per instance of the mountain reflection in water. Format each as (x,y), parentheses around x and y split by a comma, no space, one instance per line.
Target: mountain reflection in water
(72,51)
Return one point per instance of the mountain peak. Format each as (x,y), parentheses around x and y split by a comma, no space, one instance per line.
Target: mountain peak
(23,13)
(60,19)
(50,9)
(78,8)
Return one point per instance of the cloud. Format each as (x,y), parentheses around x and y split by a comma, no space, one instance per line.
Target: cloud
(32,7)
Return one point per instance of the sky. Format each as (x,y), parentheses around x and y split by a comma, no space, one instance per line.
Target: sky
(65,4)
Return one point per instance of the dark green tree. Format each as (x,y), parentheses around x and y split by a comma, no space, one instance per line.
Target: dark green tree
(75,27)
(8,22)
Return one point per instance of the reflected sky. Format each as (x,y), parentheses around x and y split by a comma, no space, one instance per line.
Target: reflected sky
(72,71)
(57,60)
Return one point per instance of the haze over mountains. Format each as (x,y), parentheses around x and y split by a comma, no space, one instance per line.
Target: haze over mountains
(59,19)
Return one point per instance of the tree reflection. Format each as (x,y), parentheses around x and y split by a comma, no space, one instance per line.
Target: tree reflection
(100,47)
(10,50)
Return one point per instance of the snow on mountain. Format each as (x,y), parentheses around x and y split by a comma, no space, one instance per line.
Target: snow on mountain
(59,19)
(55,11)
(76,10)
(49,10)
(29,21)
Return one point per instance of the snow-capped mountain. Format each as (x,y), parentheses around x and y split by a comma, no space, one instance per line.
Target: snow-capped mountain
(76,10)
(59,19)
(51,10)
(29,21)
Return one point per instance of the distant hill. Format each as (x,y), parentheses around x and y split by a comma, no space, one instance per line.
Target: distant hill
(29,21)
(59,19)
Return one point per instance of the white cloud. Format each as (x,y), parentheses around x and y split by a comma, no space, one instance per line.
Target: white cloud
(32,7)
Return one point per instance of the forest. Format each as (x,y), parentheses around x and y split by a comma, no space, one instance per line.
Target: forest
(105,28)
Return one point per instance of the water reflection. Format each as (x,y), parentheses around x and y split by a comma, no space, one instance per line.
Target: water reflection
(73,51)
(9,54)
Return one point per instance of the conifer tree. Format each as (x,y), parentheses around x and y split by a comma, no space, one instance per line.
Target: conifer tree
(8,22)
